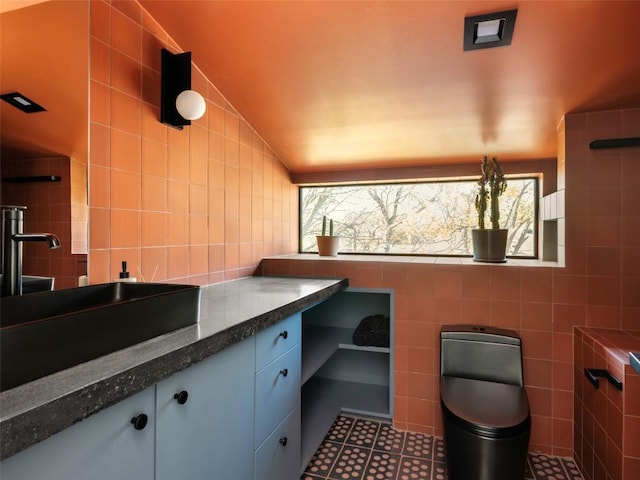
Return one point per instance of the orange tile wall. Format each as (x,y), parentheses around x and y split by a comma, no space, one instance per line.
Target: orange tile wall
(201,205)
(598,287)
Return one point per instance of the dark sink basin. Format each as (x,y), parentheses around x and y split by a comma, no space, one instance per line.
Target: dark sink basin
(32,283)
(43,333)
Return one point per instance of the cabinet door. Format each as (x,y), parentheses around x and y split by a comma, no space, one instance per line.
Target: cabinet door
(210,436)
(102,447)
(278,458)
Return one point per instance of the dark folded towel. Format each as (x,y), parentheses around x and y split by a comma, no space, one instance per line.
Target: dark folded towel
(372,331)
(362,338)
(381,338)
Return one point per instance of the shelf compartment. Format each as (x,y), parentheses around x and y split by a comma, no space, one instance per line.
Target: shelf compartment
(318,345)
(322,342)
(323,399)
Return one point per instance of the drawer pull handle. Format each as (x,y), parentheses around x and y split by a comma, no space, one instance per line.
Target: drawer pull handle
(139,421)
(284,334)
(283,441)
(284,372)
(182,397)
(592,375)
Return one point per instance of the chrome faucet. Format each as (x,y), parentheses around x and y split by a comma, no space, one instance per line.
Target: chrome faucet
(12,238)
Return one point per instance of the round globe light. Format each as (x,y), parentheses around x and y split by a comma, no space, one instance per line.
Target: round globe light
(190,105)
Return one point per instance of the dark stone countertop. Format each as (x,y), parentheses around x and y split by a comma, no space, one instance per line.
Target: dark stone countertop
(229,313)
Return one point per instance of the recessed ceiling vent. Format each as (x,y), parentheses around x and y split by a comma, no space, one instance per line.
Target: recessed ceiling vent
(22,102)
(489,30)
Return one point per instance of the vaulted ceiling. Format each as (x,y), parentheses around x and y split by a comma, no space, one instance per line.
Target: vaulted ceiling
(336,85)
(359,84)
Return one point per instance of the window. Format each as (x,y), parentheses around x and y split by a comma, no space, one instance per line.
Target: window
(418,218)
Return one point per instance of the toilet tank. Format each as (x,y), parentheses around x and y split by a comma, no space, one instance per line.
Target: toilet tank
(482,353)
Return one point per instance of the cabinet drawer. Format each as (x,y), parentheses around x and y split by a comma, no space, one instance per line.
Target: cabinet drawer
(277,392)
(277,339)
(279,456)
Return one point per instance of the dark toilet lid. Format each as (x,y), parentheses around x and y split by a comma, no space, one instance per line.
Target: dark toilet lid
(485,408)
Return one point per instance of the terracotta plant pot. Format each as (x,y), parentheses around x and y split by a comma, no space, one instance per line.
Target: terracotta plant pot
(327,245)
(489,245)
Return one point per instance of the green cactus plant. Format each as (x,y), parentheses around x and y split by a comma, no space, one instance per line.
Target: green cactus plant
(481,197)
(492,185)
(324,226)
(327,244)
(497,186)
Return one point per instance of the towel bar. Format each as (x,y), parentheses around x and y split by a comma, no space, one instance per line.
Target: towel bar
(592,375)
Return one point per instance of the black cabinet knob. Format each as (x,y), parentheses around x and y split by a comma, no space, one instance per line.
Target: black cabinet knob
(182,397)
(283,441)
(284,372)
(284,334)
(139,421)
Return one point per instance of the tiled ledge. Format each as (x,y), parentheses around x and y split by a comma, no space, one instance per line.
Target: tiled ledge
(414,260)
(613,345)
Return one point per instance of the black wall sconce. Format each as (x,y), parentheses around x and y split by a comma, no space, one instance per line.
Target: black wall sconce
(178,103)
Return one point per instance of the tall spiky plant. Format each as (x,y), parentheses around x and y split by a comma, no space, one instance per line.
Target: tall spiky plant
(483,193)
(324,226)
(497,186)
(492,185)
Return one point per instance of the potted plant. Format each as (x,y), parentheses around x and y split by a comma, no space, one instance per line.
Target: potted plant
(327,244)
(490,245)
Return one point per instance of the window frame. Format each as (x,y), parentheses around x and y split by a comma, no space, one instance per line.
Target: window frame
(536,215)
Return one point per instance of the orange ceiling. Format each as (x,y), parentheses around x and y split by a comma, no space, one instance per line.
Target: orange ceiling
(8,5)
(359,84)
(44,54)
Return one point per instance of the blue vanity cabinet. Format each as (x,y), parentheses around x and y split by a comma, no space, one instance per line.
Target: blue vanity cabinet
(277,401)
(104,446)
(204,419)
(233,416)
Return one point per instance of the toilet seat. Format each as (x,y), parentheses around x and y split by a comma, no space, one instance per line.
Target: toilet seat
(494,410)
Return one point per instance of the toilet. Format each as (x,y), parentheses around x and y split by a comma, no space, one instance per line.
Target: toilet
(485,410)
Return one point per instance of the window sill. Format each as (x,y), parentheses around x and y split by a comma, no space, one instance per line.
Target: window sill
(415,260)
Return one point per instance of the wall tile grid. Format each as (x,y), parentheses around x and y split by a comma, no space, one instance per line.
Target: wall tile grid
(543,304)
(205,204)
(607,421)
(50,211)
(201,205)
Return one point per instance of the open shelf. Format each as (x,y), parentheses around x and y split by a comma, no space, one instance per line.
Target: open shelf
(350,346)
(322,342)
(319,345)
(338,375)
(323,399)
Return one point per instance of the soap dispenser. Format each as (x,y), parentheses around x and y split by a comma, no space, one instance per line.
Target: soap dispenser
(124,275)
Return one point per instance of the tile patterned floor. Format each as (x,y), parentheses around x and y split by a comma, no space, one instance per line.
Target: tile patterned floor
(365,449)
